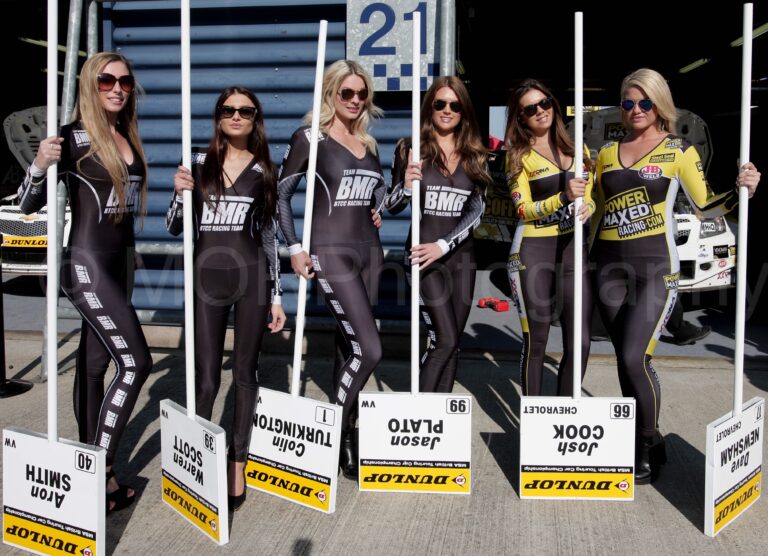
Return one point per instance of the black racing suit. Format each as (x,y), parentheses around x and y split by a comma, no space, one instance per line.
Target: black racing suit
(637,264)
(541,265)
(236,264)
(97,276)
(451,207)
(345,249)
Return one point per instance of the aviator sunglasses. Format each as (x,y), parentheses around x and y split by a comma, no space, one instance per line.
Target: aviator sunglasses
(246,112)
(106,82)
(348,94)
(645,104)
(531,109)
(441,104)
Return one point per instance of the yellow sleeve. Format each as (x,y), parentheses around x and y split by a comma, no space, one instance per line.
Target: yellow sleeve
(588,195)
(525,207)
(690,173)
(599,200)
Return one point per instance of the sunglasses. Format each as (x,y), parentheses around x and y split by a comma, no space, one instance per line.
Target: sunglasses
(106,82)
(455,105)
(246,112)
(645,105)
(531,109)
(348,94)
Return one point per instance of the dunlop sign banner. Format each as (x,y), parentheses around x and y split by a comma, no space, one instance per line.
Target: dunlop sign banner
(734,466)
(415,443)
(294,450)
(53,495)
(38,242)
(577,448)
(194,470)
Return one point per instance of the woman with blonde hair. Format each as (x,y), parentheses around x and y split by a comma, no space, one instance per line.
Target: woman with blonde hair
(101,161)
(453,175)
(346,253)
(637,269)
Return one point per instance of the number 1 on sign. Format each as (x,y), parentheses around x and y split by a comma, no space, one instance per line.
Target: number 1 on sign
(422,8)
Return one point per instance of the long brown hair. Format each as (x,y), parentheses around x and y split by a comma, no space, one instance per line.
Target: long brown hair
(466,133)
(518,136)
(103,148)
(213,167)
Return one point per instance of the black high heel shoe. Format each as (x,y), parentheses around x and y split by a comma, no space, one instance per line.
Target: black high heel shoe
(348,455)
(118,499)
(235,502)
(651,454)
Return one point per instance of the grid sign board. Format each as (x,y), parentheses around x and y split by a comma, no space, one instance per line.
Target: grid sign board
(380,38)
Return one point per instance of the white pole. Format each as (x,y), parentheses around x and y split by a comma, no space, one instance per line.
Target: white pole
(189,232)
(52,266)
(415,201)
(309,205)
(578,230)
(741,253)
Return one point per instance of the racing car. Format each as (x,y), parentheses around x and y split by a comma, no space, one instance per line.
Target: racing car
(25,237)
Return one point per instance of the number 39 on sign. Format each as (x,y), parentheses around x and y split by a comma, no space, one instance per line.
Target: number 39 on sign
(379,37)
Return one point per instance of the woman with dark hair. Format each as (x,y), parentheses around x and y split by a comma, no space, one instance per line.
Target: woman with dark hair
(234,191)
(541,174)
(101,162)
(638,270)
(453,175)
(346,250)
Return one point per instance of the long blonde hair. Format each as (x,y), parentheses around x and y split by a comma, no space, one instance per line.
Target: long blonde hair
(103,148)
(334,75)
(653,84)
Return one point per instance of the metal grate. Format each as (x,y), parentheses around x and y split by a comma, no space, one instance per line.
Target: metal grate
(682,237)
(14,226)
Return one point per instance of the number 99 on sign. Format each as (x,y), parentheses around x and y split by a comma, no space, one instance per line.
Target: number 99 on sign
(621,411)
(457,405)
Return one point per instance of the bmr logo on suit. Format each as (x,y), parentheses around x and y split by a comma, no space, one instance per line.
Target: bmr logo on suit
(227,214)
(356,188)
(113,205)
(444,201)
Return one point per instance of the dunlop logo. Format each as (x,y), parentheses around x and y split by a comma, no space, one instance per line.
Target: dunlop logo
(742,498)
(194,510)
(31,242)
(415,479)
(577,485)
(285,484)
(36,537)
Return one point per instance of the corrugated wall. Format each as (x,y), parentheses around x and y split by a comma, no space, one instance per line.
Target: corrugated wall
(269,47)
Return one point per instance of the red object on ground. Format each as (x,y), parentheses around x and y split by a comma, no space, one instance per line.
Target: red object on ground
(484,301)
(498,305)
(493,303)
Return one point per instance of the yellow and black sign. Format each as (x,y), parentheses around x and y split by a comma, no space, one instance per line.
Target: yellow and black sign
(568,484)
(454,479)
(44,536)
(197,510)
(671,281)
(37,242)
(666,157)
(742,497)
(614,131)
(302,487)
